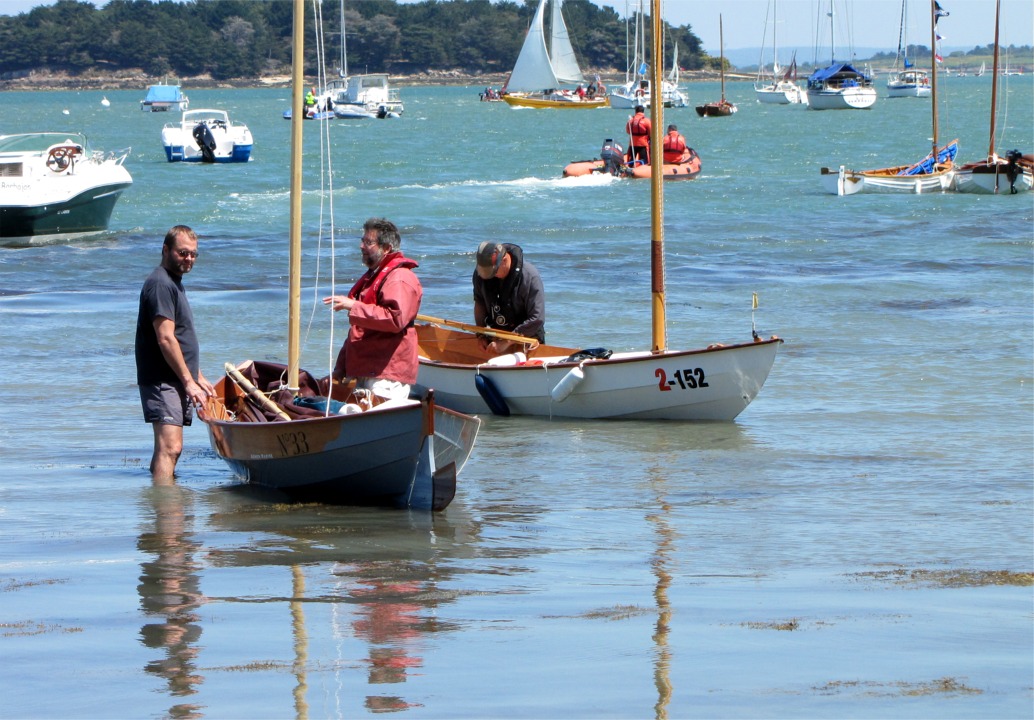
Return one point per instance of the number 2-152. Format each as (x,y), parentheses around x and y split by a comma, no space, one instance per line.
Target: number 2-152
(687,379)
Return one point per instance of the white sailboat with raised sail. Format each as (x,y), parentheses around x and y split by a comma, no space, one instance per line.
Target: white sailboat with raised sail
(403,453)
(995,175)
(713,382)
(934,173)
(782,89)
(909,81)
(539,73)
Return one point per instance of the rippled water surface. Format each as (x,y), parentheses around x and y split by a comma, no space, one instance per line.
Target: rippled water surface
(857,544)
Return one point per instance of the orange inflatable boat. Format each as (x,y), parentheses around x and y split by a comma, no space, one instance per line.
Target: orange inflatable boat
(686,169)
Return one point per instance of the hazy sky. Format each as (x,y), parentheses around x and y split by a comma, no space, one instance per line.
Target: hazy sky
(803,23)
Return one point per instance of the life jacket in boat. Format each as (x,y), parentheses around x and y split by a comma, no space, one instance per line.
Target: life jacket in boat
(674,146)
(369,285)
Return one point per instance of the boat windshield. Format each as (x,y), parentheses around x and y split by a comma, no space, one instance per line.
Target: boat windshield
(39,142)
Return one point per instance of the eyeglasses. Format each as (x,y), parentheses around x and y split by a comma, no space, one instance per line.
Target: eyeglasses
(187,254)
(369,243)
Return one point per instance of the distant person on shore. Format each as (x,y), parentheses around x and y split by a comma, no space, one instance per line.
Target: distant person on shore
(168,369)
(508,295)
(380,351)
(638,129)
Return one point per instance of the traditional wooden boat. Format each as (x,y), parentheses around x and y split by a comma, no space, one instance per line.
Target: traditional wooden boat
(539,74)
(1011,174)
(715,382)
(277,426)
(934,173)
(686,169)
(722,108)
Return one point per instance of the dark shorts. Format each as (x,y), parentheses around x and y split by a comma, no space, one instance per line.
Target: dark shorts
(166,404)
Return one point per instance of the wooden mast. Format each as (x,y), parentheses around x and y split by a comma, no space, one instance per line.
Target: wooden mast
(721,54)
(994,86)
(933,76)
(294,290)
(656,175)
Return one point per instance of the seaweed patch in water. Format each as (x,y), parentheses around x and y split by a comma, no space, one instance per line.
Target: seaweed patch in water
(787,625)
(618,612)
(952,578)
(945,685)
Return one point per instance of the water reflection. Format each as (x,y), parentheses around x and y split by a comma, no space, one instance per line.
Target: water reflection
(170,595)
(392,616)
(378,571)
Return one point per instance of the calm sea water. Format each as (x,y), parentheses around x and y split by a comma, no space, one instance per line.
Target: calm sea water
(833,553)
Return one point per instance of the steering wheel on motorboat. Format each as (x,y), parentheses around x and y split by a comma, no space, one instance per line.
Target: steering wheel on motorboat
(61,158)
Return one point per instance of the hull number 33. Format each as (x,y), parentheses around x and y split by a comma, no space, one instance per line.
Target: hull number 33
(688,379)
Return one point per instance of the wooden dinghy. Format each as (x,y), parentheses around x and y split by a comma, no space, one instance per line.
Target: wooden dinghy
(368,452)
(712,383)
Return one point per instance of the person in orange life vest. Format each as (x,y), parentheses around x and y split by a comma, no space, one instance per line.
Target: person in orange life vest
(638,127)
(380,351)
(674,145)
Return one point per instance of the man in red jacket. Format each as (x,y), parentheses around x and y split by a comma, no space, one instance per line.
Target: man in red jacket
(380,351)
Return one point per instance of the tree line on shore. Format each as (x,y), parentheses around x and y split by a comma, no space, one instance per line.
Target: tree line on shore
(242,38)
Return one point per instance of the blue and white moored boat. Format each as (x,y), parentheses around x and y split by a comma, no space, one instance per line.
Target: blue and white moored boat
(163,98)
(207,136)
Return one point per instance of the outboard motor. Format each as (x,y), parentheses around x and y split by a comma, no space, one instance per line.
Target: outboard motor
(382,112)
(612,156)
(205,141)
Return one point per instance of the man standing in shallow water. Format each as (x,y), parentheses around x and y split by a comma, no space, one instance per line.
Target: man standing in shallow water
(167,352)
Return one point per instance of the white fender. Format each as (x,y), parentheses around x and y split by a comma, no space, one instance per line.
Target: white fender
(567,384)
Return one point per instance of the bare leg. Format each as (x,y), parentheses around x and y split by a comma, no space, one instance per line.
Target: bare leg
(168,444)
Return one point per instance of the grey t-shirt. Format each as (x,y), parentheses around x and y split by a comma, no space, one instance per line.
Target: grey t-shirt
(163,296)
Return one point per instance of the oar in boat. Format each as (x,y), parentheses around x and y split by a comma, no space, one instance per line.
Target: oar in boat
(253,392)
(501,334)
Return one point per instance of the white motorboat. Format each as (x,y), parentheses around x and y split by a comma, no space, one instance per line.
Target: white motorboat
(207,136)
(367,96)
(55,187)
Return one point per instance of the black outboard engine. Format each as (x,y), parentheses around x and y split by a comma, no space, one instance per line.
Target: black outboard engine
(382,112)
(612,156)
(205,141)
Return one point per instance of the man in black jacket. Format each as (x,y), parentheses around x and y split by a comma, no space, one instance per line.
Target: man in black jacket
(508,294)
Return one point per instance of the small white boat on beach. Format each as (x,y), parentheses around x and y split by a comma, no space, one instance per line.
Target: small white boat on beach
(207,136)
